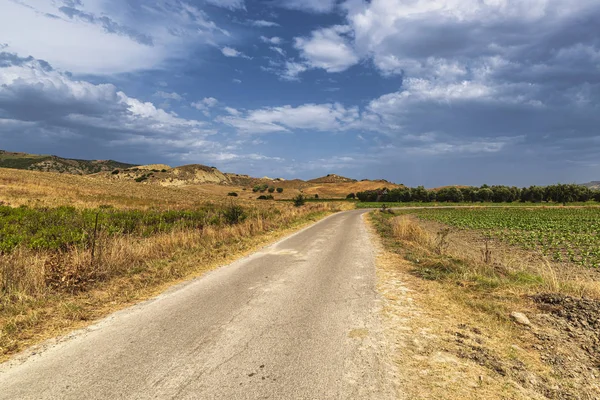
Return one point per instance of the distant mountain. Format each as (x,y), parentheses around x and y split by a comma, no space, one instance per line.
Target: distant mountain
(48,163)
(592,185)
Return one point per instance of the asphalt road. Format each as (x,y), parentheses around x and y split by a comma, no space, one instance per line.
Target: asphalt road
(297,320)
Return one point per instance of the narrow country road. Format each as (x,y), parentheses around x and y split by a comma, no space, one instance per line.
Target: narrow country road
(297,320)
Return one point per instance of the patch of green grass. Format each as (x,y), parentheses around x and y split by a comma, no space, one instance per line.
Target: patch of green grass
(360,204)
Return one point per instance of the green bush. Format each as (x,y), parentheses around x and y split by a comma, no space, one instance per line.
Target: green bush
(351,196)
(232,194)
(279,190)
(271,189)
(267,197)
(299,200)
(115,172)
(234,214)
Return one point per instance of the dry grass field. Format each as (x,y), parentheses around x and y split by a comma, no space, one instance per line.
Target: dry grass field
(59,270)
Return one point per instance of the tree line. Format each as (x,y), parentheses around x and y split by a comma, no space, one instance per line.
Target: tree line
(559,193)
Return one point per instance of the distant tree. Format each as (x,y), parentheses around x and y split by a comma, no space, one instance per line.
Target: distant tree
(299,200)
(450,194)
(351,196)
(271,189)
(279,190)
(420,194)
(316,196)
(484,194)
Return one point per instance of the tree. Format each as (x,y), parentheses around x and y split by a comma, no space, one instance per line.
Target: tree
(299,200)
(351,196)
(316,196)
(485,194)
(450,194)
(420,194)
(271,189)
(279,190)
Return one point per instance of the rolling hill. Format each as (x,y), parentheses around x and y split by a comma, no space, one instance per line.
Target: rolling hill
(208,180)
(49,163)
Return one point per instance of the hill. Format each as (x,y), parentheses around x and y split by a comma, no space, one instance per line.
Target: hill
(208,180)
(332,178)
(49,163)
(592,185)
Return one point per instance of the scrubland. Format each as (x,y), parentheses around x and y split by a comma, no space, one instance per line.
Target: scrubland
(75,248)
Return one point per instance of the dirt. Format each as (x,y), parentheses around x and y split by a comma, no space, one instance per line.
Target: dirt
(568,333)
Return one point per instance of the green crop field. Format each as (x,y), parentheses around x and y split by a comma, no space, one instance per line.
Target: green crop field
(562,234)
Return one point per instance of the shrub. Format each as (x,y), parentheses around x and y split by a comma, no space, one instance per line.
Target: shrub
(351,196)
(115,172)
(299,200)
(271,189)
(316,196)
(267,197)
(163,170)
(232,194)
(234,214)
(256,188)
(279,190)
(141,178)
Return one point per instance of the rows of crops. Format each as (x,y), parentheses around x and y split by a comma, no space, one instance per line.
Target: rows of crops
(563,234)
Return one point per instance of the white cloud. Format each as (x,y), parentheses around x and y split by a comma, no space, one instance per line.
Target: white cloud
(231,52)
(168,96)
(261,23)
(328,48)
(33,93)
(205,104)
(273,40)
(312,6)
(230,4)
(235,80)
(104,39)
(232,111)
(292,70)
(321,117)
(278,50)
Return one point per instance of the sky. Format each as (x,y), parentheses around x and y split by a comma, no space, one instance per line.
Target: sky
(420,92)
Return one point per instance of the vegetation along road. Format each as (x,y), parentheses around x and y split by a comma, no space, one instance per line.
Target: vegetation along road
(298,319)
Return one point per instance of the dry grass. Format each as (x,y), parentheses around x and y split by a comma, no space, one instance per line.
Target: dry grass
(47,293)
(404,228)
(470,258)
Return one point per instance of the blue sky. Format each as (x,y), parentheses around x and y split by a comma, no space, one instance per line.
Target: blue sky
(431,92)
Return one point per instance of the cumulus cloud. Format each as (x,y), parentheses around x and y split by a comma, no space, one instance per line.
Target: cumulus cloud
(271,40)
(39,102)
(328,48)
(231,52)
